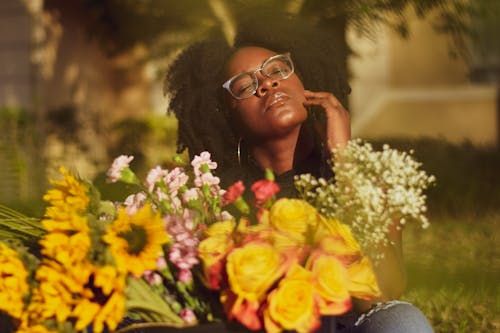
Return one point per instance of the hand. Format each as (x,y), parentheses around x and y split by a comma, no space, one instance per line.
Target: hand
(338,119)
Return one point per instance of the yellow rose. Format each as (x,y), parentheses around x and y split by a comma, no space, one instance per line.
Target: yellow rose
(220,228)
(215,246)
(212,251)
(338,240)
(253,268)
(331,281)
(294,219)
(293,306)
(363,283)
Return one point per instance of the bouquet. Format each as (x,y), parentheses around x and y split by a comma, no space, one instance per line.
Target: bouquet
(288,269)
(371,191)
(172,252)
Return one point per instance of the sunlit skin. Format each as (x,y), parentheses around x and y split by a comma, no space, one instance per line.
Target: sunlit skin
(272,133)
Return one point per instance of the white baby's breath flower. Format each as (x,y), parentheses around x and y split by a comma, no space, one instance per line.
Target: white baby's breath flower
(371,190)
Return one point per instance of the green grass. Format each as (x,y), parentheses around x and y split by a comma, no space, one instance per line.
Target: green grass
(453,273)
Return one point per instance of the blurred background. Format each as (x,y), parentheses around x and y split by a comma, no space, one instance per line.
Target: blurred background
(81,82)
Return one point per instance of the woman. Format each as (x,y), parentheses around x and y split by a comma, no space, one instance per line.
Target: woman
(248,105)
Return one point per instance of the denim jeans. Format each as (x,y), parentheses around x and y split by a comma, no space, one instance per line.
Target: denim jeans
(390,317)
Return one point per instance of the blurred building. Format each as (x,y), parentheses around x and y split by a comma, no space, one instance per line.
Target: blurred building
(59,93)
(415,88)
(16,80)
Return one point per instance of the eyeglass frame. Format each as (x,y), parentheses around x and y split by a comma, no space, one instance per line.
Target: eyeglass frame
(227,84)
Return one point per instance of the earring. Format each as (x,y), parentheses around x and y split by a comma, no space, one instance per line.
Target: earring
(238,152)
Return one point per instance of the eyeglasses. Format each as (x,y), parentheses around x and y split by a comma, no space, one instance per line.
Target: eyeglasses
(244,85)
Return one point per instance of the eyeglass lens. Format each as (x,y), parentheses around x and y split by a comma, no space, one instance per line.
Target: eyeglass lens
(246,84)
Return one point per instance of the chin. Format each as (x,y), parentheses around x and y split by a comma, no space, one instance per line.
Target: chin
(287,124)
(287,114)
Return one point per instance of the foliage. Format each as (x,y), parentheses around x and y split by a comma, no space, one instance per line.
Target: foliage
(150,139)
(19,155)
(164,26)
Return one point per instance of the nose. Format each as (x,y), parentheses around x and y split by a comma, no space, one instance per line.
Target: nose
(265,85)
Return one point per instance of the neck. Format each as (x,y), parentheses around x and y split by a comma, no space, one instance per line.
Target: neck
(279,155)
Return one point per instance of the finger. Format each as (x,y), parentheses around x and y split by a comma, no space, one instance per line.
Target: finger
(324,102)
(325,95)
(315,92)
(318,102)
(320,94)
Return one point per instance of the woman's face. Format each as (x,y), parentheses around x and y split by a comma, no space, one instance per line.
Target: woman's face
(275,108)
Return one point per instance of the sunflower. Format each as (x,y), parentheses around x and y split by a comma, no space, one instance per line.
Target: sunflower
(82,294)
(68,201)
(25,327)
(68,192)
(66,249)
(136,240)
(68,240)
(13,282)
(58,288)
(111,313)
(64,219)
(107,304)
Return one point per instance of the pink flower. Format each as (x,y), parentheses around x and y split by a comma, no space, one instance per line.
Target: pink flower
(188,316)
(184,252)
(119,164)
(206,179)
(155,175)
(264,190)
(202,159)
(175,203)
(175,179)
(134,201)
(152,277)
(185,276)
(233,192)
(190,194)
(161,263)
(183,257)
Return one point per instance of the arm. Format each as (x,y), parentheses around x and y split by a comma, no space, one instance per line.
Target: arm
(390,273)
(337,132)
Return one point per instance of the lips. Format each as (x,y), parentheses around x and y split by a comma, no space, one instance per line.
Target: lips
(276,99)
